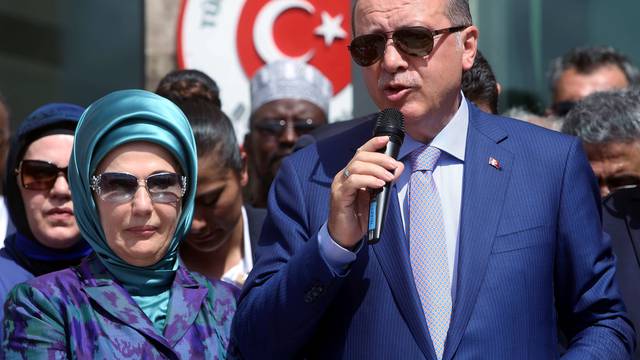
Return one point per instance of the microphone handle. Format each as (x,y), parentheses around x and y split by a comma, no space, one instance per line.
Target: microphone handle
(379,202)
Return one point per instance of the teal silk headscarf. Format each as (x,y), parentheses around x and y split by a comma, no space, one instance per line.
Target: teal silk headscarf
(123,117)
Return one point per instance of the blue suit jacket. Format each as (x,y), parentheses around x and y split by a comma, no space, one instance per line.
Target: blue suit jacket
(531,254)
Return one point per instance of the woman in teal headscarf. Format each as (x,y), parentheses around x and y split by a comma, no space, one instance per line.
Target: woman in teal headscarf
(133,173)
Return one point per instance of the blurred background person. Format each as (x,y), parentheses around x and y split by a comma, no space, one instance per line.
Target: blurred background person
(609,125)
(585,70)
(621,219)
(133,172)
(224,230)
(480,86)
(551,122)
(38,197)
(288,99)
(185,83)
(6,226)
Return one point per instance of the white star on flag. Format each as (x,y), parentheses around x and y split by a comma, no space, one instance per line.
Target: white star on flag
(331,28)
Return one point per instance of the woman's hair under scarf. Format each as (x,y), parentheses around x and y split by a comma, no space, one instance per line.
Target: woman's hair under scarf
(119,118)
(49,119)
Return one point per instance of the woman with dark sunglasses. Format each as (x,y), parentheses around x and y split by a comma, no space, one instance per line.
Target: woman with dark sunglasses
(133,172)
(38,198)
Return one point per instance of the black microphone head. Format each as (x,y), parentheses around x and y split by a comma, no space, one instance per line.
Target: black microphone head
(390,122)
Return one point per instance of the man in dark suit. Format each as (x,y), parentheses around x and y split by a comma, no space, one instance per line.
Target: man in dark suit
(483,249)
(609,125)
(621,219)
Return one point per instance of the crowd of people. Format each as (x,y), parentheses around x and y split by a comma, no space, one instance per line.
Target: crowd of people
(141,227)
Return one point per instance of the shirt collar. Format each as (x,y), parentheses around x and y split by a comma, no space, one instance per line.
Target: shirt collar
(451,140)
(248,256)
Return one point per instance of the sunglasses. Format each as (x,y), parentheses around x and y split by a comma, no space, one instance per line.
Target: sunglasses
(276,127)
(38,174)
(116,187)
(367,49)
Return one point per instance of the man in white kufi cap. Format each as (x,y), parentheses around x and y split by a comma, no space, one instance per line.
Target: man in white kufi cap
(288,99)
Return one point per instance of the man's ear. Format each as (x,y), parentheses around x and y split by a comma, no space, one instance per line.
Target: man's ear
(469,46)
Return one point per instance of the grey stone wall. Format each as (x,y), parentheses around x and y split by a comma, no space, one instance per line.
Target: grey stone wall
(161,24)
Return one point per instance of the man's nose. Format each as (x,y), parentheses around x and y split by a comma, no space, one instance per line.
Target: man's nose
(289,134)
(392,60)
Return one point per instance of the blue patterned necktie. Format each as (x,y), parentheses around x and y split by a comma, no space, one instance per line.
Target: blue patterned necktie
(428,246)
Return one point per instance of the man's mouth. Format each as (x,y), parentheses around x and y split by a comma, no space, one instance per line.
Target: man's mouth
(395,92)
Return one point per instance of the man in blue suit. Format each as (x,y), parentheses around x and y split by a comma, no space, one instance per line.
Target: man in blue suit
(500,244)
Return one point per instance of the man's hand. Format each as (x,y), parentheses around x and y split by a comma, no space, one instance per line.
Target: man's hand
(349,208)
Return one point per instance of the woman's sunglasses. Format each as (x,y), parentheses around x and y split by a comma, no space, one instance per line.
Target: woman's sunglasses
(367,49)
(38,174)
(116,187)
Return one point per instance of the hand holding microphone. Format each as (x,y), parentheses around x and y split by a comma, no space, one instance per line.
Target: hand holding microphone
(390,122)
(366,178)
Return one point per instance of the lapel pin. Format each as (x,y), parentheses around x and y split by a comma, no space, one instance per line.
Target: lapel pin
(495,163)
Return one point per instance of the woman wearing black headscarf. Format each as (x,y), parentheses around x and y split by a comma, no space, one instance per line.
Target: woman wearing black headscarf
(38,198)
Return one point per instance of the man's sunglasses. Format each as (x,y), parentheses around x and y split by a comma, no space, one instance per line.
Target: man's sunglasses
(276,127)
(116,187)
(38,174)
(367,49)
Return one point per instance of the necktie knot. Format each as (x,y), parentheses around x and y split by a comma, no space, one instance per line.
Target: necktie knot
(424,158)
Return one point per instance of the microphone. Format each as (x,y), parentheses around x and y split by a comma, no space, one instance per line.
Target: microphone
(390,122)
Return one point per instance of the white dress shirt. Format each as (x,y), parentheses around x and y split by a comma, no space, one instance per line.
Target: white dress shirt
(238,274)
(447,175)
(4,220)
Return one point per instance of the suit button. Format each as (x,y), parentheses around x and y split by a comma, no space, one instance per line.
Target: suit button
(317,290)
(308,298)
(313,293)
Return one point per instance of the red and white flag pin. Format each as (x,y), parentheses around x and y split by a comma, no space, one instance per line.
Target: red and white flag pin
(495,163)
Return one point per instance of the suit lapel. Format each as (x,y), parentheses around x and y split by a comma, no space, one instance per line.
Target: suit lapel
(483,195)
(393,255)
(185,304)
(113,299)
(334,156)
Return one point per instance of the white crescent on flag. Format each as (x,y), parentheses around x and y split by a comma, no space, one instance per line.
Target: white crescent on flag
(263,29)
